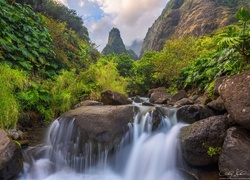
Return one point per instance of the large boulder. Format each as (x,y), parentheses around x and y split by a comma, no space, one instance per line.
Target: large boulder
(88,103)
(159,89)
(178,96)
(159,95)
(217,106)
(192,113)
(235,93)
(100,125)
(200,137)
(234,160)
(11,161)
(109,97)
(218,81)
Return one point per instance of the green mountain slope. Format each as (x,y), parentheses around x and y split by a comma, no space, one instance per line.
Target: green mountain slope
(190,17)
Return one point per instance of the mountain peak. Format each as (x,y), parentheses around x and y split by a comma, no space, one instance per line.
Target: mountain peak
(115,43)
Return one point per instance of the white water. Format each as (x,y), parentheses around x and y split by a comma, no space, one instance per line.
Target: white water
(143,154)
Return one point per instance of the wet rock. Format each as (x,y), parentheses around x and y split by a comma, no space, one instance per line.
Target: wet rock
(16,134)
(198,100)
(100,125)
(147,104)
(217,83)
(206,98)
(194,98)
(234,160)
(217,106)
(160,97)
(192,113)
(235,93)
(197,138)
(178,96)
(159,89)
(109,97)
(137,99)
(11,161)
(183,102)
(88,103)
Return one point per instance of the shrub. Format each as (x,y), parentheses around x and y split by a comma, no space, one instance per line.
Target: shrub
(11,82)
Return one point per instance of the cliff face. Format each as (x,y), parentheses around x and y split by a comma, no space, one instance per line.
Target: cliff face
(190,18)
(116,45)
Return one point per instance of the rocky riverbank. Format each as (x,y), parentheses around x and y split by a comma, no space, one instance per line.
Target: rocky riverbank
(216,141)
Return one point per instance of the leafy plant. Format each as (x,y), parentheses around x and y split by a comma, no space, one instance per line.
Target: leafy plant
(238,36)
(212,151)
(64,14)
(24,39)
(102,76)
(11,82)
(206,69)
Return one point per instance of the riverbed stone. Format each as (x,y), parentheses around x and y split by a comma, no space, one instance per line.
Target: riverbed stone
(159,89)
(234,161)
(183,102)
(197,138)
(109,97)
(101,125)
(179,95)
(217,106)
(218,81)
(235,93)
(88,103)
(11,161)
(160,97)
(192,113)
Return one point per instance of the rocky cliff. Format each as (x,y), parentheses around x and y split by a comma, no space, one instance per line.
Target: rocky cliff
(190,18)
(115,45)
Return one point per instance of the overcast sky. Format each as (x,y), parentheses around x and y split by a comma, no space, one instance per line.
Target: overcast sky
(131,17)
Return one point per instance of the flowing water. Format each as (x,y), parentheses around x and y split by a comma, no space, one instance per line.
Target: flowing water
(143,153)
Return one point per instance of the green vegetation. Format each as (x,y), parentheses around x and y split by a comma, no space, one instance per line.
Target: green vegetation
(25,40)
(47,64)
(231,57)
(11,82)
(212,151)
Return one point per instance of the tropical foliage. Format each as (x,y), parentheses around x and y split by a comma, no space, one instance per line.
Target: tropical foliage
(47,64)
(231,57)
(238,36)
(11,83)
(25,41)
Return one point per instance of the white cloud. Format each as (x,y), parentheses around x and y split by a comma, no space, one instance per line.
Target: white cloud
(99,31)
(132,18)
(64,2)
(81,3)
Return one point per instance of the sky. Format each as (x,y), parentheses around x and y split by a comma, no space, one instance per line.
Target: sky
(131,17)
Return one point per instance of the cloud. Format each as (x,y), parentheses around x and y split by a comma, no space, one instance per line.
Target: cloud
(64,2)
(81,3)
(99,31)
(132,18)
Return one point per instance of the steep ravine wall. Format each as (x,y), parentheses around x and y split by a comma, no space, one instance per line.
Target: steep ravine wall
(190,18)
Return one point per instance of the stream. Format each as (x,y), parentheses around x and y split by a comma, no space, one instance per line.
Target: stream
(142,154)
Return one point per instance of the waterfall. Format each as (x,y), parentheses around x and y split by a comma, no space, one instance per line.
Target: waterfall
(144,153)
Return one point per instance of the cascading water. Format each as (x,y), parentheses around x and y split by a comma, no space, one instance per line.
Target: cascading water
(145,153)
